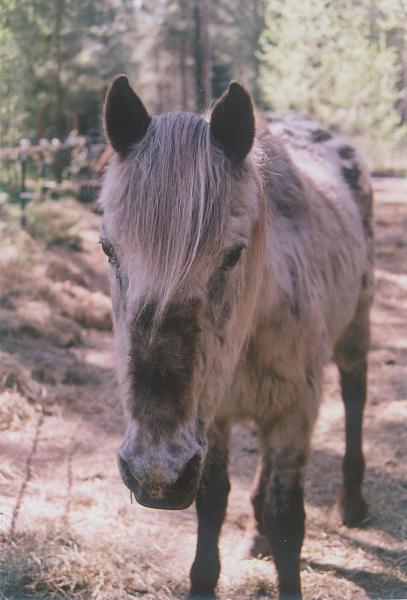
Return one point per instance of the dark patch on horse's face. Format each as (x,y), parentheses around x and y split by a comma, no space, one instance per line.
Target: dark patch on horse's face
(351,176)
(346,152)
(146,316)
(161,366)
(320,135)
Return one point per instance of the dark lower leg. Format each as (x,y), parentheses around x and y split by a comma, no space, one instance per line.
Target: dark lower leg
(353,386)
(284,519)
(211,505)
(255,542)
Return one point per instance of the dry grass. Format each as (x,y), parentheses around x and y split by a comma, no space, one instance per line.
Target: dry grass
(67,528)
(19,394)
(49,227)
(56,565)
(54,296)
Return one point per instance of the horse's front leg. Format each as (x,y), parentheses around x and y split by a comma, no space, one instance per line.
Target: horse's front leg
(211,502)
(286,444)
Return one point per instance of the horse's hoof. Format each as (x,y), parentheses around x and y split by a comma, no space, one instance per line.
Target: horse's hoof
(202,596)
(354,513)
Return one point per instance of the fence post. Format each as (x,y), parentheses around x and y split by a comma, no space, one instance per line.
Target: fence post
(24,145)
(44,146)
(56,145)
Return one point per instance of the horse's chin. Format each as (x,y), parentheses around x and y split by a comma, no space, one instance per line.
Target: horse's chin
(164,503)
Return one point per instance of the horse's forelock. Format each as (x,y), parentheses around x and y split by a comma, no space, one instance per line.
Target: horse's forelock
(170,198)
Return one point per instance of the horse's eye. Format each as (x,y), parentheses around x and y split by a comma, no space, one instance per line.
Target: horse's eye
(108,250)
(232,257)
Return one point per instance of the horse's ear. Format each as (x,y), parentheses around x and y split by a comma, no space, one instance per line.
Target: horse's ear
(125,118)
(232,122)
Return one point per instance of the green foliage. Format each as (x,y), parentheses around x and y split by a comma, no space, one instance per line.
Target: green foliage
(11,105)
(56,59)
(335,62)
(342,62)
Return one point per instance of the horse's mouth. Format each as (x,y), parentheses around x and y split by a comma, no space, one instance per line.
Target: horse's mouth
(178,497)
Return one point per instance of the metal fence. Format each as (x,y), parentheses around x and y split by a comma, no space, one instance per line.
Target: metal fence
(31,170)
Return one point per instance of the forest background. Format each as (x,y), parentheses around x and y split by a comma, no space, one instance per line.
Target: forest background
(341,62)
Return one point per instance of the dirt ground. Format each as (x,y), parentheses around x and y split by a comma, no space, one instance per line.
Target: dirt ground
(67,528)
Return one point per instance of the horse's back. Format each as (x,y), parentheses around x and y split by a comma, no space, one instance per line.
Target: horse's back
(319,196)
(327,160)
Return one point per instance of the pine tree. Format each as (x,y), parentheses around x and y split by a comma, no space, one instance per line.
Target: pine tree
(66,52)
(332,61)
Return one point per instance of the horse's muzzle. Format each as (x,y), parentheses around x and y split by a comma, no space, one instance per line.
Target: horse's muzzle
(157,494)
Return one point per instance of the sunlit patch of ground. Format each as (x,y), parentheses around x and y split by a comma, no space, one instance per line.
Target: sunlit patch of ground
(67,528)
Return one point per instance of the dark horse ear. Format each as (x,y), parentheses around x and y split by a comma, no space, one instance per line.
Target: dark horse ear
(232,122)
(125,117)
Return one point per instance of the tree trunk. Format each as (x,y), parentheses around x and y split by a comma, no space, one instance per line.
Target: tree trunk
(202,54)
(59,111)
(258,27)
(160,86)
(183,53)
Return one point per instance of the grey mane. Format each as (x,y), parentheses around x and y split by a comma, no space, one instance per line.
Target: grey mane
(175,190)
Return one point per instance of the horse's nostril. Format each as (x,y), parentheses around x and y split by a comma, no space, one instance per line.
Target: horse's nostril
(122,461)
(190,471)
(125,470)
(158,487)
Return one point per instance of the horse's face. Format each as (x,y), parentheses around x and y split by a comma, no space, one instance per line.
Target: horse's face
(179,233)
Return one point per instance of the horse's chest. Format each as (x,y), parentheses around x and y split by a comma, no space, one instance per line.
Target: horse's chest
(272,376)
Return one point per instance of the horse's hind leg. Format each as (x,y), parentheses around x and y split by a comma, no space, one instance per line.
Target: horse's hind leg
(351,358)
(211,502)
(353,506)
(255,542)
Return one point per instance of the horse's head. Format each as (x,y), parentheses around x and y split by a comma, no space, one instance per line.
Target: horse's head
(182,224)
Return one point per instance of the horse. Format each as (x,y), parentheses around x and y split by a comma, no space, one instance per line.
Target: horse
(241,261)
